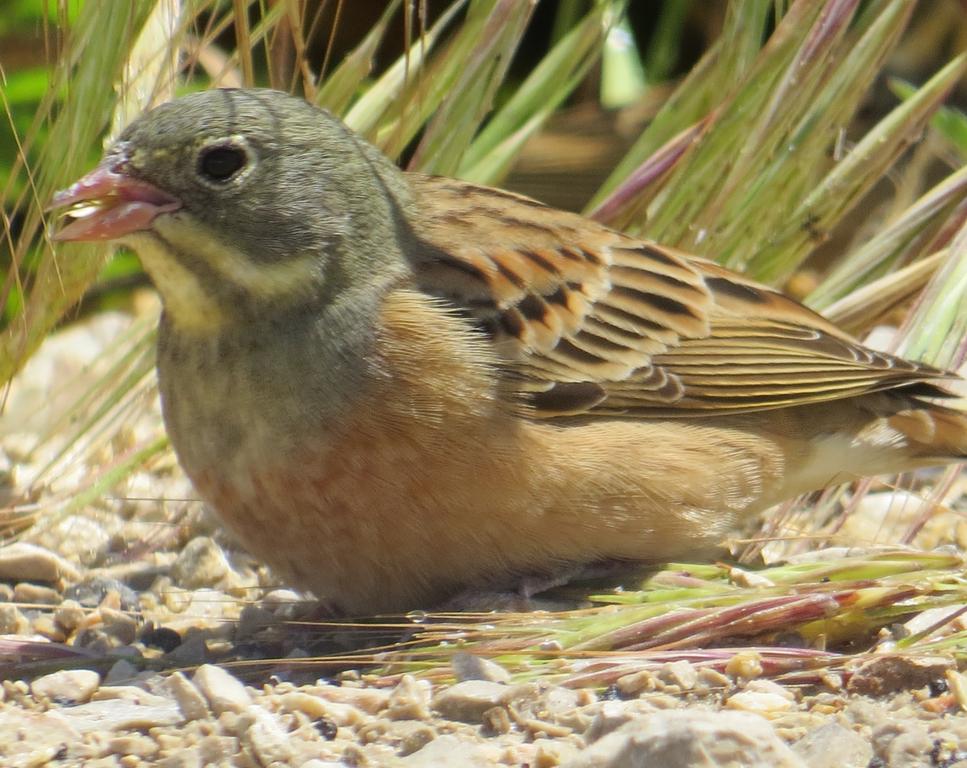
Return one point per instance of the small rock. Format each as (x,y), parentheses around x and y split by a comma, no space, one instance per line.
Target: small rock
(450,752)
(369,700)
(833,746)
(680,673)
(902,743)
(414,738)
(163,638)
(69,686)
(224,692)
(265,737)
(119,625)
(69,615)
(22,733)
(495,721)
(467,701)
(409,700)
(318,708)
(744,664)
(93,592)
(890,673)
(121,715)
(132,694)
(46,626)
(200,564)
(612,715)
(253,619)
(32,563)
(467,666)
(12,621)
(134,744)
(690,739)
(77,538)
(190,700)
(24,592)
(121,671)
(759,702)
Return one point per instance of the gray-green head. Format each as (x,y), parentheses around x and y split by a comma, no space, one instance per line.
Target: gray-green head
(243,201)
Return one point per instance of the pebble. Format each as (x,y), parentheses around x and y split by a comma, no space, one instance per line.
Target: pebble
(690,739)
(369,700)
(35,594)
(467,701)
(833,746)
(93,592)
(28,736)
(30,562)
(265,737)
(78,538)
(121,671)
(889,673)
(119,625)
(450,752)
(200,564)
(12,621)
(69,686)
(190,700)
(224,692)
(119,714)
(69,615)
(409,700)
(46,626)
(467,666)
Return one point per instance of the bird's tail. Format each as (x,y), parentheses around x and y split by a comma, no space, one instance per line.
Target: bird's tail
(935,432)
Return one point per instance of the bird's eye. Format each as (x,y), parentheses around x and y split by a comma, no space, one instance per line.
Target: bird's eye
(221,162)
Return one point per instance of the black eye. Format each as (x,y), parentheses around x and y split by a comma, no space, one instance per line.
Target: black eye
(221,162)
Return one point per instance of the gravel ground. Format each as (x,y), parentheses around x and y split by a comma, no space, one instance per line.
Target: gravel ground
(103,599)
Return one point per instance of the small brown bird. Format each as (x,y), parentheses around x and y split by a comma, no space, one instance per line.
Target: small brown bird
(394,387)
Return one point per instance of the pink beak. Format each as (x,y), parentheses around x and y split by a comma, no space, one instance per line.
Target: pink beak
(121,205)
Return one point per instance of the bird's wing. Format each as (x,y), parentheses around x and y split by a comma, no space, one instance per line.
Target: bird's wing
(589,321)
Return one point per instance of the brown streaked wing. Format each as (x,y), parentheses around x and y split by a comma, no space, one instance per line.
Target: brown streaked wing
(591,321)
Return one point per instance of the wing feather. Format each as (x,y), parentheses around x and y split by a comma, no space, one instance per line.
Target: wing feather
(588,320)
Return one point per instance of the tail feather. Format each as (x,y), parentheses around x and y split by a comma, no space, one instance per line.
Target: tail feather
(935,432)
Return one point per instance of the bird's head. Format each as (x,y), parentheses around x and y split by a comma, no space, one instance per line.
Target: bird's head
(242,202)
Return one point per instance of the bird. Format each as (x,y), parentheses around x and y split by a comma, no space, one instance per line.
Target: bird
(393,388)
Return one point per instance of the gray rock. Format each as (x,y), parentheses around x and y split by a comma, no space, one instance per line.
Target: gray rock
(690,739)
(200,564)
(902,743)
(833,746)
(451,752)
(466,666)
(467,701)
(78,538)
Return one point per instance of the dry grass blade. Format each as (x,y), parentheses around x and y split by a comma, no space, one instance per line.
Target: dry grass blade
(840,601)
(859,310)
(75,128)
(923,226)
(725,64)
(492,152)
